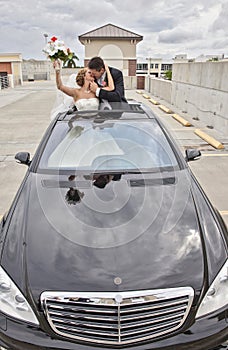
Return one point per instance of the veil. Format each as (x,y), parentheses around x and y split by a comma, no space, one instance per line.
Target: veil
(63,102)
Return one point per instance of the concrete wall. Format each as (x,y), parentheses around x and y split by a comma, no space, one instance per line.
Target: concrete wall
(212,75)
(130,83)
(199,89)
(36,69)
(159,87)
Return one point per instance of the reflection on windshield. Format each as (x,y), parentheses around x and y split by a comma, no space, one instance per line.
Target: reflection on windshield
(110,147)
(79,149)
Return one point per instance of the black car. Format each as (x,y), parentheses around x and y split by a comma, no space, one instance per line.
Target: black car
(111,243)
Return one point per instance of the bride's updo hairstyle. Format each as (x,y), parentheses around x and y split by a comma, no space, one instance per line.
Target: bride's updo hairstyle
(80,78)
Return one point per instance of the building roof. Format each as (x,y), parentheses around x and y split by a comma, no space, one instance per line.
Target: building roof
(10,57)
(110,31)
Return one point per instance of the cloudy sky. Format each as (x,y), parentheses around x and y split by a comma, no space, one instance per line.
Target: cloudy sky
(168,27)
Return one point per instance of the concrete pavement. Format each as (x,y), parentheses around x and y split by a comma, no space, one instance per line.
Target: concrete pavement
(25,115)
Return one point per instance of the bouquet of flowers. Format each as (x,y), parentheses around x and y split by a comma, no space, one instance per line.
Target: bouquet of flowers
(56,49)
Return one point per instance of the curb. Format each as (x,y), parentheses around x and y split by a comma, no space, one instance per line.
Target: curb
(181,120)
(165,109)
(154,102)
(146,96)
(209,139)
(223,212)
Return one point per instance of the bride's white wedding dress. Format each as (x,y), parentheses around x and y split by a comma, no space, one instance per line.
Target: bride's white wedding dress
(87,104)
(82,105)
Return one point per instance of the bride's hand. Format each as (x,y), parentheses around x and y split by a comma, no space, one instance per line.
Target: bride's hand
(93,87)
(56,65)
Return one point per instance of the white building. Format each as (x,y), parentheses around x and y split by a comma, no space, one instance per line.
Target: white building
(153,66)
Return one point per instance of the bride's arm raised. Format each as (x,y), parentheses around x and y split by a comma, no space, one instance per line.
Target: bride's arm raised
(111,85)
(66,89)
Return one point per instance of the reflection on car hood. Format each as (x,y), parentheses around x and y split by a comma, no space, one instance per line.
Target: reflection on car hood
(142,229)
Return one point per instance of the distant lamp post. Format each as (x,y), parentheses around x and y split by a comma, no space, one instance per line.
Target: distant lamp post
(148,72)
(47,66)
(45,37)
(149,63)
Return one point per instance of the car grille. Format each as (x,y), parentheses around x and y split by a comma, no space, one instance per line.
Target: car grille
(117,318)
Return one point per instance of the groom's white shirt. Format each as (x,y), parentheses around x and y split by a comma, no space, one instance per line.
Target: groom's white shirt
(99,81)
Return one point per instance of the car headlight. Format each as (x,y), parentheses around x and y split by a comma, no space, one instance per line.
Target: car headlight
(216,296)
(12,301)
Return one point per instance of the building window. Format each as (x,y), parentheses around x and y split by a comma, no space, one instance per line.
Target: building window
(142,66)
(166,67)
(156,65)
(151,65)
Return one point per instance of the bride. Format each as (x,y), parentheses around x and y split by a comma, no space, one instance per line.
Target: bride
(83,97)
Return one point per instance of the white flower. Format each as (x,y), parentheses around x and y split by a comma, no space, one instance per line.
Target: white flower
(56,49)
(61,46)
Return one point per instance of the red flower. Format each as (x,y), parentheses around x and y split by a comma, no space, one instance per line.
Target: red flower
(54,38)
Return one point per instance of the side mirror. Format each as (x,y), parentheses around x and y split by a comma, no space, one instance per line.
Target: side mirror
(23,158)
(192,154)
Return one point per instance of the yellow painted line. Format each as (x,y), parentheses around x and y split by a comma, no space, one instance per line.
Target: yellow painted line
(146,96)
(209,139)
(165,109)
(181,129)
(154,102)
(214,155)
(223,212)
(181,120)
(139,92)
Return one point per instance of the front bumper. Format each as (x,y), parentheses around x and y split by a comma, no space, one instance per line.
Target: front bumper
(205,334)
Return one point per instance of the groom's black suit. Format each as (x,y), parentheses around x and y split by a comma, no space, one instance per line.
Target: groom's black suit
(116,95)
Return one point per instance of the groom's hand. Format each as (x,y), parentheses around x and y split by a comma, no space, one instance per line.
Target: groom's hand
(93,86)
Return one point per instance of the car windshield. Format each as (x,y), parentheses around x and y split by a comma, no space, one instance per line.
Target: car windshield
(112,146)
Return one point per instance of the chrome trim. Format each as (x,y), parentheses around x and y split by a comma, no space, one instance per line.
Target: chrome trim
(98,318)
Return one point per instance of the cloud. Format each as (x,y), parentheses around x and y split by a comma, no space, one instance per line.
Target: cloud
(178,36)
(167,27)
(221,23)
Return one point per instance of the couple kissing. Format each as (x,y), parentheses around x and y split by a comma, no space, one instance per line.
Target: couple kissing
(96,83)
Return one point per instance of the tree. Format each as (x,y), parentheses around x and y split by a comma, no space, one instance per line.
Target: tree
(70,63)
(168,74)
(214,59)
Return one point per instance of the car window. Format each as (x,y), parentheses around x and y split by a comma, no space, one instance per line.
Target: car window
(109,146)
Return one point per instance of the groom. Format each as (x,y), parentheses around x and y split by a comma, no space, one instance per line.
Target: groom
(97,68)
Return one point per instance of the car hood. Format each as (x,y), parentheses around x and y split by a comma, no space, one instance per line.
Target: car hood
(142,229)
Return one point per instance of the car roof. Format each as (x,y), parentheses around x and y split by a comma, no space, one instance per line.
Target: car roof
(120,110)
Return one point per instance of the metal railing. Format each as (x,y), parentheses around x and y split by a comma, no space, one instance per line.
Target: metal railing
(4,82)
